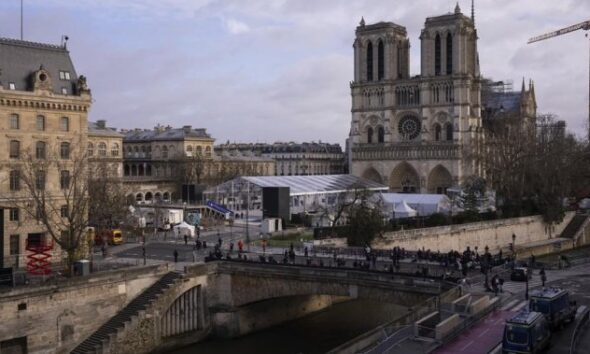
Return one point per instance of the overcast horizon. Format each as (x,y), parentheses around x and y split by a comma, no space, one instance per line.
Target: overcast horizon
(265,71)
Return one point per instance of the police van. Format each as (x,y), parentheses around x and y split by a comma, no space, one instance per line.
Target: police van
(526,332)
(554,303)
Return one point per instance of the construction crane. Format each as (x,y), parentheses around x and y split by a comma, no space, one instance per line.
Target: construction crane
(580,26)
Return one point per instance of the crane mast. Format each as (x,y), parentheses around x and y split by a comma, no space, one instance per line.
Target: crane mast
(579,26)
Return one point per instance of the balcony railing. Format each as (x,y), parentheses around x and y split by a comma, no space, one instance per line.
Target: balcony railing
(406,151)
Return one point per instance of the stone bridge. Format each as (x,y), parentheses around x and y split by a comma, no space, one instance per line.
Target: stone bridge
(154,308)
(231,298)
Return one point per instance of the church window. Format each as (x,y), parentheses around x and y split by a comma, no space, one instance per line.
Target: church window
(370,135)
(449,131)
(380,135)
(449,54)
(380,61)
(370,62)
(437,55)
(409,127)
(437,132)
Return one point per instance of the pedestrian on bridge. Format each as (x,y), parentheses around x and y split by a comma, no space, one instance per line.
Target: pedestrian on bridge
(543,276)
(175,256)
(240,246)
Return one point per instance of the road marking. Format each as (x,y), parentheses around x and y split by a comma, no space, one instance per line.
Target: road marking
(467,345)
(522,304)
(484,332)
(509,305)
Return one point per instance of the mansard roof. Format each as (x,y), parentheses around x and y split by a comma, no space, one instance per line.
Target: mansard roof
(20,59)
(99,128)
(166,134)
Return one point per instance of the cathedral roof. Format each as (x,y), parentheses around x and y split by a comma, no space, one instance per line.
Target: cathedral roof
(502,101)
(20,59)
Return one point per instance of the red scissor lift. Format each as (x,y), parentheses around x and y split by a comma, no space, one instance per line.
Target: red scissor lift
(38,262)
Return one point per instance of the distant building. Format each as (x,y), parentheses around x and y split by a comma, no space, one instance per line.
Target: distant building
(157,162)
(105,146)
(420,134)
(44,108)
(292,159)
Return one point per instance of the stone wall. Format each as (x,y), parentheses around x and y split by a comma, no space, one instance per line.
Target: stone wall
(54,318)
(495,234)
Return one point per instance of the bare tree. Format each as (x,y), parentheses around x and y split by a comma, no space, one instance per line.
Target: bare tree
(108,201)
(62,207)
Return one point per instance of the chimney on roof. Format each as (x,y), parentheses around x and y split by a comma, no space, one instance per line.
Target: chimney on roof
(101,123)
(187,128)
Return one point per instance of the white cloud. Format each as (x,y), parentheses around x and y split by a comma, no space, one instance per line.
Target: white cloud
(236,27)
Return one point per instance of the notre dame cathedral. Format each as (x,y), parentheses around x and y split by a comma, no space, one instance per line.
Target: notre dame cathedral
(415,134)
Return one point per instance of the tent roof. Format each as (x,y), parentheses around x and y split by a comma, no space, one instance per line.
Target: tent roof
(403,207)
(184,225)
(395,198)
(318,184)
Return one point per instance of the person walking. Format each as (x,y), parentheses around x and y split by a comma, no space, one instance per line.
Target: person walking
(543,276)
(263,246)
(185,239)
(240,246)
(175,256)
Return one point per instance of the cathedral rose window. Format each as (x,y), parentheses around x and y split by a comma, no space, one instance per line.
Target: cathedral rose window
(409,127)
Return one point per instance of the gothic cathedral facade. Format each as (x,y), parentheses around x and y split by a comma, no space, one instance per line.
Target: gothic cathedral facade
(416,134)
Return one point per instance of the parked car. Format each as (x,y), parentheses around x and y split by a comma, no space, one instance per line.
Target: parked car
(519,274)
(526,332)
(555,304)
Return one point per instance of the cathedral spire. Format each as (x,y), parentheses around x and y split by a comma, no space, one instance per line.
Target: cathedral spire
(523,87)
(473,12)
(362,23)
(457,8)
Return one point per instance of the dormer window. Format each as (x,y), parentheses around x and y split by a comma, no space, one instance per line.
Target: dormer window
(11,86)
(64,75)
(64,91)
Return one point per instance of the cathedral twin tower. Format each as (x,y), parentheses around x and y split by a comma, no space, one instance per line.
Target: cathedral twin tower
(416,134)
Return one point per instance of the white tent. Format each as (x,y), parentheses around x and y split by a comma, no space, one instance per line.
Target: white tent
(184,229)
(424,204)
(403,210)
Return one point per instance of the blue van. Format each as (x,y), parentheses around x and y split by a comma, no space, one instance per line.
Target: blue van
(526,332)
(554,303)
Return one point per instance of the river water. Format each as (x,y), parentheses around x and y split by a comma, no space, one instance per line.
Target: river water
(315,333)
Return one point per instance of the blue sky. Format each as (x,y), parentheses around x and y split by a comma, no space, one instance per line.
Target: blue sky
(254,70)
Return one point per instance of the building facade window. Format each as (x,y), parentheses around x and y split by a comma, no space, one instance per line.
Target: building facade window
(64,150)
(11,86)
(370,135)
(64,179)
(370,62)
(14,152)
(64,124)
(449,54)
(90,149)
(449,131)
(164,152)
(41,150)
(102,149)
(380,61)
(437,54)
(208,151)
(40,123)
(40,180)
(14,121)
(64,211)
(115,149)
(14,180)
(14,214)
(380,135)
(437,132)
(14,245)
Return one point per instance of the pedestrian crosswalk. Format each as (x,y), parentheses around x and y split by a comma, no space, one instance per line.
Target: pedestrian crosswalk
(511,287)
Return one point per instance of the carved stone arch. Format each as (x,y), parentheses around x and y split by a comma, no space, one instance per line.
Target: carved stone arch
(439,179)
(404,179)
(372,175)
(441,117)
(185,314)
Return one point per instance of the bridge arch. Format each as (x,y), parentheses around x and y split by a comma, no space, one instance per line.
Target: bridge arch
(185,314)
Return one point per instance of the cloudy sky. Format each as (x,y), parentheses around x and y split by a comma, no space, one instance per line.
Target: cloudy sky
(267,70)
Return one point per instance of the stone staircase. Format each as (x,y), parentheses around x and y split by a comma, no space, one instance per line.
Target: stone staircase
(575,224)
(96,341)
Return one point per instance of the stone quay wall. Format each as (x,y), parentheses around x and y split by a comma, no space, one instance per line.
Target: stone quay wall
(496,234)
(55,318)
